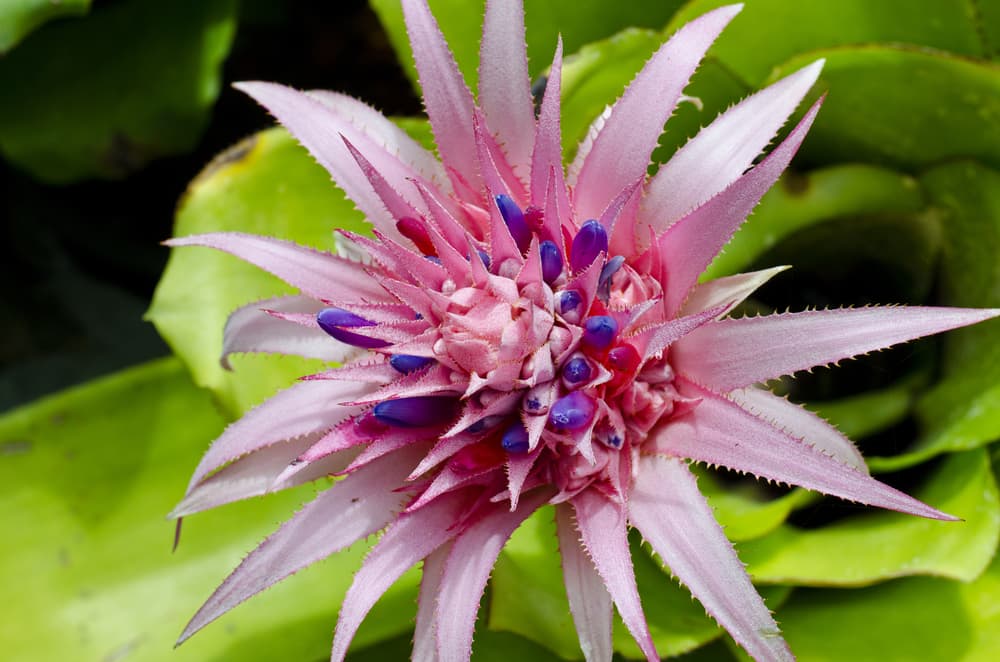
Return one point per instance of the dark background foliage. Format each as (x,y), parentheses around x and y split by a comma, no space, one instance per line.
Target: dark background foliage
(81,260)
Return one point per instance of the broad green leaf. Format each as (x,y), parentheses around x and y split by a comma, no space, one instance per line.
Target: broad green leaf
(488,646)
(802,200)
(498,646)
(265,185)
(987,17)
(745,512)
(88,476)
(891,256)
(19,17)
(919,618)
(880,545)
(102,96)
(858,416)
(907,109)
(578,21)
(963,409)
(529,597)
(768,32)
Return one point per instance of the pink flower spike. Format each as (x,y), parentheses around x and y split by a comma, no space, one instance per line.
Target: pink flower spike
(352,509)
(504,86)
(466,571)
(603,535)
(722,151)
(412,537)
(734,353)
(446,97)
(516,336)
(320,275)
(621,151)
(720,432)
(675,519)
(589,600)
(690,244)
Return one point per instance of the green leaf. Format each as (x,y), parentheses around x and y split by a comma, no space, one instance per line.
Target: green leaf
(529,597)
(908,619)
(893,254)
(867,413)
(962,410)
(882,545)
(768,32)
(578,21)
(88,476)
(802,200)
(266,185)
(101,97)
(907,109)
(744,511)
(19,17)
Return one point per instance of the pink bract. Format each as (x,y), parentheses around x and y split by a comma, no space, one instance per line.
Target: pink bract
(517,334)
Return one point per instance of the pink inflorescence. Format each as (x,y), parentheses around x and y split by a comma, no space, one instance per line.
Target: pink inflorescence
(562,361)
(517,335)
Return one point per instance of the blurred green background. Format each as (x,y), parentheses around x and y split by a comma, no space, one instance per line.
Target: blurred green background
(118,129)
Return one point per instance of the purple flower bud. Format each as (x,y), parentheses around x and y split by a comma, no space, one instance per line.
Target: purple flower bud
(416,412)
(515,439)
(552,262)
(485,424)
(607,273)
(407,363)
(334,317)
(514,218)
(537,400)
(589,242)
(599,331)
(332,320)
(577,370)
(569,302)
(572,412)
(611,439)
(484,256)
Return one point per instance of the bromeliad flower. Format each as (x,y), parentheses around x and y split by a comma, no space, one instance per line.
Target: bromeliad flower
(515,335)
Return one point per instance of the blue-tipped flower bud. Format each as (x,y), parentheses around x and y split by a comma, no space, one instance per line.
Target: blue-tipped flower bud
(485,257)
(589,242)
(407,363)
(515,439)
(334,317)
(610,438)
(514,218)
(568,304)
(569,300)
(599,331)
(333,321)
(577,370)
(416,412)
(572,412)
(552,261)
(485,423)
(608,271)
